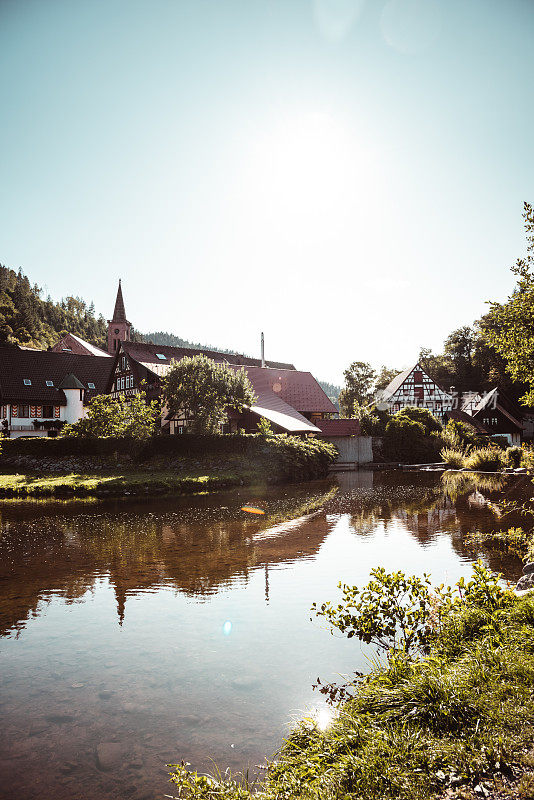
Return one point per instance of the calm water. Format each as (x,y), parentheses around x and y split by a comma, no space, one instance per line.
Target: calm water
(133,635)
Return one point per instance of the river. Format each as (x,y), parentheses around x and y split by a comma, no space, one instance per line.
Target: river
(137,634)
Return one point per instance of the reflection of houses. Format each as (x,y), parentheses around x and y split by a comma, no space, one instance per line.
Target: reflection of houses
(40,391)
(414,387)
(195,554)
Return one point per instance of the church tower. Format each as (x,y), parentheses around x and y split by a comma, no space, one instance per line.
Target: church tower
(119,329)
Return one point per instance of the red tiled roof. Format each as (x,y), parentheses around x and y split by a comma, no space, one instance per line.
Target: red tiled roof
(299,389)
(339,427)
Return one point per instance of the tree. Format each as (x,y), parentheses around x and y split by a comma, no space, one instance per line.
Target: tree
(512,323)
(203,390)
(359,383)
(385,376)
(129,417)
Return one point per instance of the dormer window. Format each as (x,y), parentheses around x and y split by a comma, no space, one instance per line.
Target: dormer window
(27,382)
(90,385)
(161,357)
(50,383)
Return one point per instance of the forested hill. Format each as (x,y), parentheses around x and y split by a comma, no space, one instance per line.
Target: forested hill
(29,319)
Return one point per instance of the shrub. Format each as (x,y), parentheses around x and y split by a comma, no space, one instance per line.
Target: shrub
(453,458)
(406,441)
(513,456)
(459,435)
(430,423)
(487,459)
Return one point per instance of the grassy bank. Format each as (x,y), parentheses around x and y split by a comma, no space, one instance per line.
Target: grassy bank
(184,464)
(457,723)
(135,483)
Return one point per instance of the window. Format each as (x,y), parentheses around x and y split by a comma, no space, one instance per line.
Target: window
(124,362)
(90,385)
(27,382)
(50,383)
(48,412)
(161,357)
(24,411)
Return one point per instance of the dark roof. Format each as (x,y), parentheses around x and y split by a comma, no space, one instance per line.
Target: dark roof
(462,416)
(146,353)
(70,381)
(339,427)
(119,312)
(40,366)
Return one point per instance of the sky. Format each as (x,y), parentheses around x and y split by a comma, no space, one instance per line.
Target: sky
(347,176)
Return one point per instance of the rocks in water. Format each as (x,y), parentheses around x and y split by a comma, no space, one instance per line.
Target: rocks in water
(109,755)
(525,582)
(528,568)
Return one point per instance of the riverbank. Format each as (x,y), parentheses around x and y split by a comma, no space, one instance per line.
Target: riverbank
(456,724)
(177,464)
(123,483)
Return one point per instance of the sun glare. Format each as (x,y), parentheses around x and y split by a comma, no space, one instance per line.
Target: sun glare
(305,165)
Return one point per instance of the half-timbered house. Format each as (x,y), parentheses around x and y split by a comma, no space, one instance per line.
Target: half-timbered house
(415,387)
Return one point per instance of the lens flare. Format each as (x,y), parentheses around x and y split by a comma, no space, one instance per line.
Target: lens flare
(252,510)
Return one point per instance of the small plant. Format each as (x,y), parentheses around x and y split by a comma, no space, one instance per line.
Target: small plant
(264,427)
(395,612)
(452,457)
(486,459)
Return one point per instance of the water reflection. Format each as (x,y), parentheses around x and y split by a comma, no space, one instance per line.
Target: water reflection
(138,634)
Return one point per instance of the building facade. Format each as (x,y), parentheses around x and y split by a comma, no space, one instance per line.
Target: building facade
(40,391)
(414,387)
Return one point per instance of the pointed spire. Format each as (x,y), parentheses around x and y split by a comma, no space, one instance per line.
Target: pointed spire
(119,314)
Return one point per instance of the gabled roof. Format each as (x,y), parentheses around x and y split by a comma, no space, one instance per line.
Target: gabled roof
(40,366)
(399,379)
(147,354)
(473,422)
(298,389)
(93,349)
(396,383)
(497,400)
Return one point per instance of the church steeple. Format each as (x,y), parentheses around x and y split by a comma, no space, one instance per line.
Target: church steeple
(119,314)
(119,329)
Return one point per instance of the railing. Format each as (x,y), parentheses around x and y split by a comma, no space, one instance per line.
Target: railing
(20,428)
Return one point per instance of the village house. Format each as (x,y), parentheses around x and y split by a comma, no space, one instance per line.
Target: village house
(291,400)
(40,391)
(414,387)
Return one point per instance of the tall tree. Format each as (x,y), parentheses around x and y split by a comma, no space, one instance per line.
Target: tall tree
(202,390)
(358,388)
(510,328)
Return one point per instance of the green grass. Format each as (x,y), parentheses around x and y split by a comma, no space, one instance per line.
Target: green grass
(80,485)
(460,717)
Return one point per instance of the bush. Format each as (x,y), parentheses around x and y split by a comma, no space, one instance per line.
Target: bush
(486,459)
(407,441)
(459,435)
(453,458)
(430,423)
(513,456)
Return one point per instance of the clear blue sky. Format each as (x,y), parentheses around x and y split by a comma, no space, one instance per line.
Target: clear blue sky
(346,175)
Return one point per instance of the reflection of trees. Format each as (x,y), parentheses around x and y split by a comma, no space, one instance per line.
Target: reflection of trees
(458,504)
(198,549)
